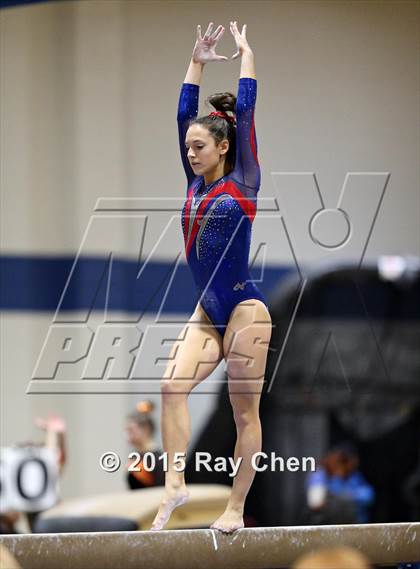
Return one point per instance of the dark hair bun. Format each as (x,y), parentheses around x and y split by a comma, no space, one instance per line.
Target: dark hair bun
(222,102)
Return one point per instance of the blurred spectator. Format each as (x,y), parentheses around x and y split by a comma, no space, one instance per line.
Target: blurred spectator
(337,492)
(8,521)
(333,558)
(55,428)
(140,429)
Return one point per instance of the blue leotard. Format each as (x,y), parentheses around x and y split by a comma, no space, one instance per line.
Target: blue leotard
(217,218)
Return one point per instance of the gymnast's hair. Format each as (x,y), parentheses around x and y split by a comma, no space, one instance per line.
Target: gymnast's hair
(219,127)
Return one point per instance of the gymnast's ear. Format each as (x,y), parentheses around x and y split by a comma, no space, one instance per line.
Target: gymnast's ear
(224,146)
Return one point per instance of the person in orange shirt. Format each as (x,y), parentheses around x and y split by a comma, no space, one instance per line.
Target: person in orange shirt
(140,429)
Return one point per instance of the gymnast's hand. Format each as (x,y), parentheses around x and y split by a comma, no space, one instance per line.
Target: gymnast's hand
(240,39)
(205,48)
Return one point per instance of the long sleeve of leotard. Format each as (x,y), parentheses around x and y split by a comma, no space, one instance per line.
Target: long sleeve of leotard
(247,168)
(187,109)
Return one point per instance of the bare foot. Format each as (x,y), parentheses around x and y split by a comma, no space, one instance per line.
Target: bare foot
(229,521)
(172,499)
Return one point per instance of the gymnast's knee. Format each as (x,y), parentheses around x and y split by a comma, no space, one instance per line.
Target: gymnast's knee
(178,387)
(245,409)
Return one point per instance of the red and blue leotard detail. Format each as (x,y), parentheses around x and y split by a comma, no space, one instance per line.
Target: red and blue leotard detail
(217,218)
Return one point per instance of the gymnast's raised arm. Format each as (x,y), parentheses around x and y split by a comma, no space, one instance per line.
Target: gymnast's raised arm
(204,51)
(247,169)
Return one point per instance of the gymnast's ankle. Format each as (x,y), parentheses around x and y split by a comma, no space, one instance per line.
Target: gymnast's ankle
(175,485)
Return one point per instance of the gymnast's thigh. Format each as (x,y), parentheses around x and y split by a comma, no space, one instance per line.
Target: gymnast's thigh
(246,343)
(197,351)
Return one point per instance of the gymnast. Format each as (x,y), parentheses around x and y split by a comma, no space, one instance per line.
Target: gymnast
(231,319)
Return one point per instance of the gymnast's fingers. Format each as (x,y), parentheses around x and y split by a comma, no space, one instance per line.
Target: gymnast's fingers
(208,31)
(199,38)
(218,33)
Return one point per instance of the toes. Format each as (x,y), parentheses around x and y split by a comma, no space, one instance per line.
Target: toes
(221,528)
(155,526)
(224,529)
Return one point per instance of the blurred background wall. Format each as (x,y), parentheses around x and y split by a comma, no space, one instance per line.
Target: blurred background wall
(89,93)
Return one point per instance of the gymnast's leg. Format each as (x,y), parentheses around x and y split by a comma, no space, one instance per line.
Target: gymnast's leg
(245,345)
(196,353)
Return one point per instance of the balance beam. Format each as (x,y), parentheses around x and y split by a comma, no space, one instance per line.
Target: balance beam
(248,548)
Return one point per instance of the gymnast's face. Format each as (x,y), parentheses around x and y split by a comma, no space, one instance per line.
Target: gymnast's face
(204,154)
